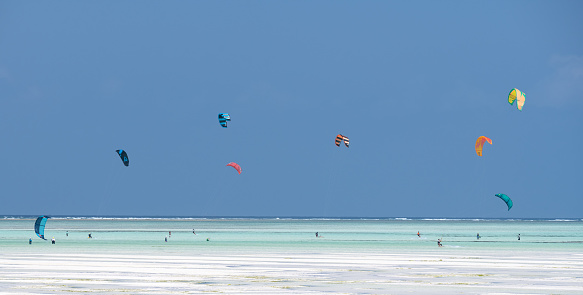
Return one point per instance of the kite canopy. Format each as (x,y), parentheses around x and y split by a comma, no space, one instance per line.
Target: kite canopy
(518,96)
(480,143)
(124,157)
(223,118)
(341,137)
(236,166)
(39,226)
(506,199)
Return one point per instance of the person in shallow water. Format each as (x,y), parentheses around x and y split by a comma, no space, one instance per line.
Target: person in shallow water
(30,241)
(165,239)
(478,236)
(519,237)
(53,240)
(439,243)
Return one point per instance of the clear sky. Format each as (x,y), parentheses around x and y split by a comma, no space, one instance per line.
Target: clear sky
(413,84)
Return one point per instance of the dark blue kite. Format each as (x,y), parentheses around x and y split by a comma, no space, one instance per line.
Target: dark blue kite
(124,157)
(39,226)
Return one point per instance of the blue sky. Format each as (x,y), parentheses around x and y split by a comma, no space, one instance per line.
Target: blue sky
(412,84)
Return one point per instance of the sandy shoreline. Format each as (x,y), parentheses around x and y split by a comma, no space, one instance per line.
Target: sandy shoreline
(436,272)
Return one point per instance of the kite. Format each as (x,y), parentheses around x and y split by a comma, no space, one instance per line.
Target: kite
(518,96)
(480,143)
(124,157)
(236,166)
(39,226)
(223,118)
(506,199)
(341,137)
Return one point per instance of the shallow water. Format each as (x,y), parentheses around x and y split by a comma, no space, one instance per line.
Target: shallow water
(240,235)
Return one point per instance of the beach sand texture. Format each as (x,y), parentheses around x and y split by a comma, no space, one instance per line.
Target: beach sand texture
(440,271)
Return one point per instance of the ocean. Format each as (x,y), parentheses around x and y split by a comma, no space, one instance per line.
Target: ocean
(135,235)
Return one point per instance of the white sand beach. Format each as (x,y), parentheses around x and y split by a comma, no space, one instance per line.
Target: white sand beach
(443,271)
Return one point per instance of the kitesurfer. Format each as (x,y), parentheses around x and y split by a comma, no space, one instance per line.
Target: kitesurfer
(53,240)
(418,234)
(90,237)
(439,243)
(478,236)
(67,234)
(165,239)
(193,231)
(519,237)
(316,234)
(30,241)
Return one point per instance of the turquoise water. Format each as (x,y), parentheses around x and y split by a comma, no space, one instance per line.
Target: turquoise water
(240,235)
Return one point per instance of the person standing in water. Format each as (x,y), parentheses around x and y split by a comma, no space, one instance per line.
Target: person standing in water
(439,243)
(53,240)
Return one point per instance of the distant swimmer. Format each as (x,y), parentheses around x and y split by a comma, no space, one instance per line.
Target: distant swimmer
(30,241)
(418,234)
(90,237)
(316,234)
(439,243)
(519,237)
(478,236)
(53,240)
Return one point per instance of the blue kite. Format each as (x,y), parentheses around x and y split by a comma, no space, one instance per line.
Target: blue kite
(39,226)
(223,118)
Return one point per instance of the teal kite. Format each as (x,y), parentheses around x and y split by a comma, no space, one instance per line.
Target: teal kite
(506,199)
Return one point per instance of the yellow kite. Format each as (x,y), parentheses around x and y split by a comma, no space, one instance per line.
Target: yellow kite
(517,95)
